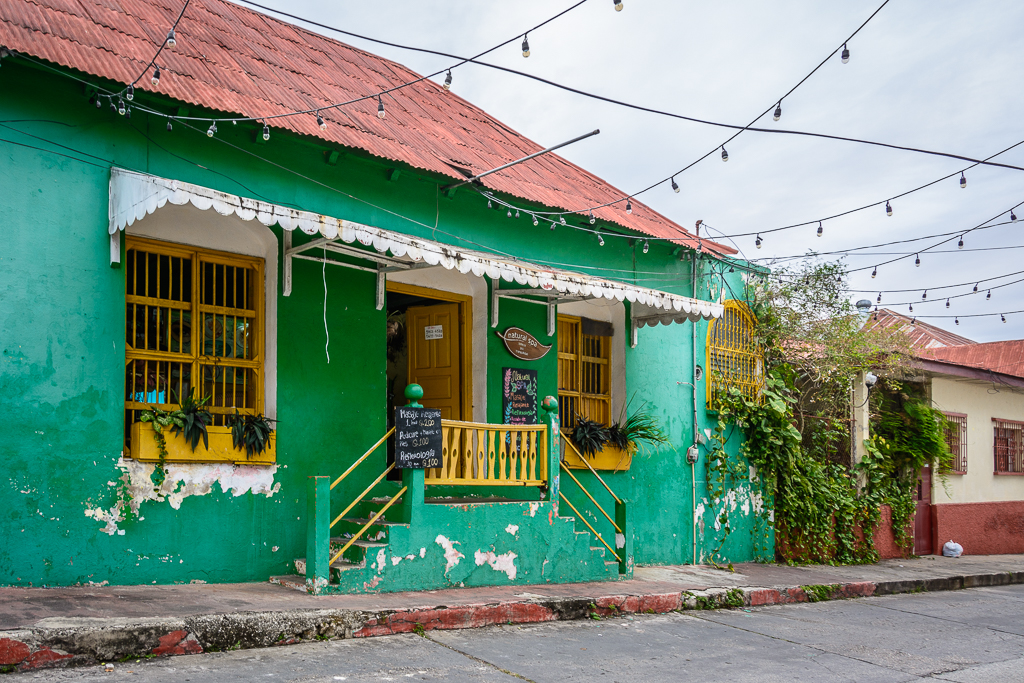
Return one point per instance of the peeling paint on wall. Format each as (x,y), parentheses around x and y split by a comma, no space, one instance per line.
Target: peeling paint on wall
(181,481)
(499,563)
(450,553)
(512,529)
(533,509)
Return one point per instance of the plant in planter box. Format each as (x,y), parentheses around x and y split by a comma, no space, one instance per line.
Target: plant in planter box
(589,436)
(251,432)
(190,420)
(639,428)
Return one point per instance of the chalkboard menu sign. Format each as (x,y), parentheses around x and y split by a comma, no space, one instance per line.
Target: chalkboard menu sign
(417,437)
(519,396)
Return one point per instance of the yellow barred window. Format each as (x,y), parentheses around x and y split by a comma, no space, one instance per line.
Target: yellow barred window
(584,371)
(733,359)
(193,322)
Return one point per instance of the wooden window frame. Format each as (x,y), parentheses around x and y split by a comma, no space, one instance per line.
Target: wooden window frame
(573,364)
(735,342)
(195,357)
(957,442)
(1012,462)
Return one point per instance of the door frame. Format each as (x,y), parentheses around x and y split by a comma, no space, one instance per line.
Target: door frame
(465,303)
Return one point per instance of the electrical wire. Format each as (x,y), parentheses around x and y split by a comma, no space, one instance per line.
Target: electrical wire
(159,49)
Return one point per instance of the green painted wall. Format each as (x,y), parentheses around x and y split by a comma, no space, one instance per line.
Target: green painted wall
(62,345)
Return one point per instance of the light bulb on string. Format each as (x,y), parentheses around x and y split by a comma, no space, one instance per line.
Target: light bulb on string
(448,80)
(618,5)
(509,215)
(647,247)
(989,295)
(960,244)
(120,106)
(98,103)
(820,229)
(778,111)
(888,209)
(170,40)
(592,219)
(211,130)
(917,261)
(911,308)
(947,303)
(517,213)
(600,240)
(956,320)
(629,206)
(874,273)
(963,180)
(266,131)
(976,288)
(879,299)
(169,126)
(914,322)
(1013,216)
(113,107)
(845,56)
(129,92)
(925,295)
(155,80)
(128,112)
(675,187)
(526,46)
(757,242)
(553,224)
(1002,317)
(535,221)
(725,154)
(380,108)
(561,219)
(876,313)
(489,205)
(320,121)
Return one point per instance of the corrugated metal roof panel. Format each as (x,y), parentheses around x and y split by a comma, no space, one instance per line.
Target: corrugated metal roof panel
(922,335)
(1005,357)
(237,61)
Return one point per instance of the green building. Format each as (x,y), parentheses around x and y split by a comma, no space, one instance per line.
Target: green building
(196,236)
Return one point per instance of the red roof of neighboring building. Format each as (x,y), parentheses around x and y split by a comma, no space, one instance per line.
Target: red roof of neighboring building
(237,61)
(1004,357)
(921,334)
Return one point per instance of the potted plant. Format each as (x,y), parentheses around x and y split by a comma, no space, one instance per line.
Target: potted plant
(251,432)
(612,448)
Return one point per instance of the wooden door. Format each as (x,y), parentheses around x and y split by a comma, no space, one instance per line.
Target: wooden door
(435,356)
(923,513)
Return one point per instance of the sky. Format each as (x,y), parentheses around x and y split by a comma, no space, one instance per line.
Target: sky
(935,74)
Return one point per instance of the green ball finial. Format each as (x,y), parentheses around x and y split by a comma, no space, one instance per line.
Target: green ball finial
(549,404)
(414,392)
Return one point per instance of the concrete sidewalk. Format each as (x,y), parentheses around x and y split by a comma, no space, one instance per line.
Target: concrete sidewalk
(43,627)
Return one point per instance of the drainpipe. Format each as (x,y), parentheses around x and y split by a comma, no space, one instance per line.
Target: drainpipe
(693,460)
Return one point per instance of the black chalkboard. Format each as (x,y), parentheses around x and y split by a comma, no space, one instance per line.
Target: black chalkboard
(518,396)
(417,437)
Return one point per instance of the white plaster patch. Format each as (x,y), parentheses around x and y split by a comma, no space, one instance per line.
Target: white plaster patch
(182,480)
(533,509)
(620,541)
(499,563)
(381,560)
(512,529)
(396,560)
(423,553)
(450,553)
(752,473)
(410,557)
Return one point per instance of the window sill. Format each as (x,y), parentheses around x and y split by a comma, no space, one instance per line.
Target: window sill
(1008,474)
(220,450)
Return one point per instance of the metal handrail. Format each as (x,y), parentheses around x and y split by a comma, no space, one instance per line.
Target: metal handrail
(362,495)
(585,491)
(592,529)
(365,456)
(370,523)
(583,459)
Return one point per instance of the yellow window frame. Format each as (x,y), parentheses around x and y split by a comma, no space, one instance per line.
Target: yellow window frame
(169,311)
(734,359)
(584,374)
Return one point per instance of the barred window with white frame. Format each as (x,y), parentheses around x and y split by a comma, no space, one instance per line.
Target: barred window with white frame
(1008,446)
(956,439)
(193,325)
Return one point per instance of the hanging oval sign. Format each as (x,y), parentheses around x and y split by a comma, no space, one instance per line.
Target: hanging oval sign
(522,344)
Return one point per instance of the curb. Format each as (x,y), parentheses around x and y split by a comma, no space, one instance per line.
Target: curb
(81,641)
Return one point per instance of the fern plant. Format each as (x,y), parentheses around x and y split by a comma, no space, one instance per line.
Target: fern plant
(590,436)
(251,432)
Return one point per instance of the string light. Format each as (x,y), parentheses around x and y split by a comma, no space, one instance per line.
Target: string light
(618,5)
(517,213)
(820,229)
(448,80)
(629,206)
(648,246)
(592,219)
(947,303)
(535,221)
(963,180)
(320,121)
(526,46)
(509,214)
(975,289)
(170,41)
(675,187)
(553,224)
(129,92)
(888,209)
(925,295)
(725,155)
(846,54)
(917,261)
(911,308)
(561,219)
(874,273)
(211,130)
(876,313)
(989,295)
(600,240)
(98,103)
(169,126)
(757,242)
(155,80)
(120,106)
(914,322)
(778,111)
(1013,216)
(266,131)
(1002,317)
(380,108)
(489,205)
(960,244)
(956,320)
(128,112)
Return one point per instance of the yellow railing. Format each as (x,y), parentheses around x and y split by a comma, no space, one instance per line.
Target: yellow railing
(373,519)
(485,454)
(571,446)
(362,495)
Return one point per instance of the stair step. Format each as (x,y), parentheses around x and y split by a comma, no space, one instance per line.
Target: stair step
(598,547)
(611,563)
(340,564)
(342,540)
(376,522)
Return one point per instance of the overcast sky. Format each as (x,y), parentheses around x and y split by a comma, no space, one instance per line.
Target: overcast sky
(934,74)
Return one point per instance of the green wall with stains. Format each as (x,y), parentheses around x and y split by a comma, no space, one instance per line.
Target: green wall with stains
(62,345)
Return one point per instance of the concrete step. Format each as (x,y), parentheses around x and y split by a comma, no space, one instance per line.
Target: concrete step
(356,552)
(340,565)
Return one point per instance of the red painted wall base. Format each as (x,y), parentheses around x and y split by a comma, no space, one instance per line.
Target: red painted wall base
(981,528)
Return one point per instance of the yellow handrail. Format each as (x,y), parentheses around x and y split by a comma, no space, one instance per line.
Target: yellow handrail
(362,495)
(365,456)
(479,454)
(370,523)
(569,472)
(570,444)
(592,529)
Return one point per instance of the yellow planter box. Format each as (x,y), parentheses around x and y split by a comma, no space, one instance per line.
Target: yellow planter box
(145,449)
(610,457)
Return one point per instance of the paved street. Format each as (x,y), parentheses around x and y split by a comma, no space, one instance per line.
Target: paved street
(970,635)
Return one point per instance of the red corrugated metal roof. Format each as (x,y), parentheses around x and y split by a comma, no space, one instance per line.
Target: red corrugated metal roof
(237,61)
(1005,357)
(921,334)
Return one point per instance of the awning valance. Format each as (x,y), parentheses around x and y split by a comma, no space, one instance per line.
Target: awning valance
(135,195)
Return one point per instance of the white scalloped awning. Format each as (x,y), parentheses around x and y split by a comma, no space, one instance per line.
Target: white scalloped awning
(135,195)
